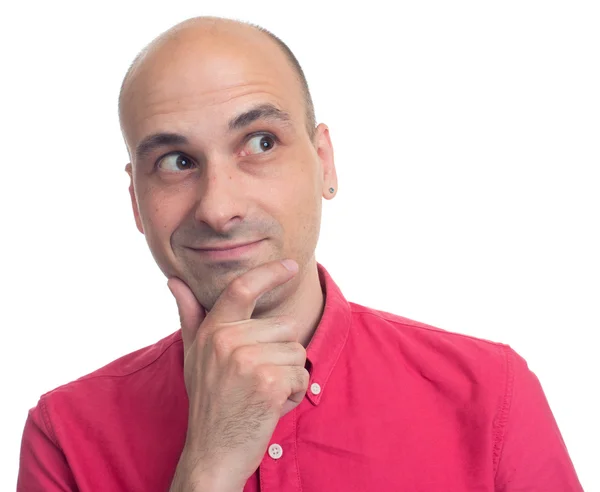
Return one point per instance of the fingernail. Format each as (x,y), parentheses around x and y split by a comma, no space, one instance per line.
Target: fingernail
(291,265)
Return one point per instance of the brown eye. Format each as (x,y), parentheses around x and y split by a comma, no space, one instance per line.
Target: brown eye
(175,162)
(258,144)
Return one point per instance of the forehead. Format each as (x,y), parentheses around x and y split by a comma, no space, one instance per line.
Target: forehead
(196,78)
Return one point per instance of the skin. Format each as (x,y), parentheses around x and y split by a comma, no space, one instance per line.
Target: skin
(241,374)
(246,320)
(193,80)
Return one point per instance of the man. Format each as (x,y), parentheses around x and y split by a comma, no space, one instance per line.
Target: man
(274,382)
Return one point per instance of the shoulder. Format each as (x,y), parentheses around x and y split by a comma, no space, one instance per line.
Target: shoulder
(140,359)
(434,349)
(417,329)
(135,366)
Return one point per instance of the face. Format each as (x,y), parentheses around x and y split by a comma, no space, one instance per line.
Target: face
(221,156)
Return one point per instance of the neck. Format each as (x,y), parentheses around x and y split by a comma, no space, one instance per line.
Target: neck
(305,304)
(309,304)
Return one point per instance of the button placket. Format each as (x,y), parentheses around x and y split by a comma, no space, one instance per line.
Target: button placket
(279,466)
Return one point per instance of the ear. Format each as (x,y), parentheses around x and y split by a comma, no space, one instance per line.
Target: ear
(324,149)
(134,205)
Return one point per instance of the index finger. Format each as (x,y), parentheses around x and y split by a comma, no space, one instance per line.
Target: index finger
(238,300)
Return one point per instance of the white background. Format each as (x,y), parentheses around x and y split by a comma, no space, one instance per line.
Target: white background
(467,147)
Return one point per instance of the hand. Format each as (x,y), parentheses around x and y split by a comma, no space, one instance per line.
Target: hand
(241,376)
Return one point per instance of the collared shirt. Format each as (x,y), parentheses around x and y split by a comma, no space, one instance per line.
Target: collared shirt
(392,404)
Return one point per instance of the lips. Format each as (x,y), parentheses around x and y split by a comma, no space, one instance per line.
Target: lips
(225,247)
(226,251)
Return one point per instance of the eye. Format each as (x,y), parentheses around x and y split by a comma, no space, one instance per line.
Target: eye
(258,144)
(175,162)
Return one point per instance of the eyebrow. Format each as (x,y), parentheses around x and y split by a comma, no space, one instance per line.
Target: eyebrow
(261,112)
(156,140)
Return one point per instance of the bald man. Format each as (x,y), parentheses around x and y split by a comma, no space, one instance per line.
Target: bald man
(274,382)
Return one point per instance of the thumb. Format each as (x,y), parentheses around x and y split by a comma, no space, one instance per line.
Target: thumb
(191,312)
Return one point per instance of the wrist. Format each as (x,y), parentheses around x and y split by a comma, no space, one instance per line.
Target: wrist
(194,475)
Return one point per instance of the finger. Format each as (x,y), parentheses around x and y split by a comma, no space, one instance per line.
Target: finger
(248,357)
(251,331)
(238,300)
(191,312)
(297,378)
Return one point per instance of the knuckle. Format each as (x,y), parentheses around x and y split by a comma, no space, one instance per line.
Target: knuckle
(284,320)
(305,376)
(243,359)
(297,349)
(267,379)
(287,326)
(302,377)
(278,399)
(224,341)
(239,289)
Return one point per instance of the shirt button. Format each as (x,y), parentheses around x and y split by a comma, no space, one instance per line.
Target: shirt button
(275,451)
(315,388)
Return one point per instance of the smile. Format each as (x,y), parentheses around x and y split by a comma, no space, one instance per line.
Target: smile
(226,251)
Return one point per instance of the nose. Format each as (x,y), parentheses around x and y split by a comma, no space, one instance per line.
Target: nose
(220,202)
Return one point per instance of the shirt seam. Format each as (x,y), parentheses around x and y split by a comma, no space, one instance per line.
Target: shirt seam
(295,421)
(429,328)
(504,411)
(99,376)
(48,423)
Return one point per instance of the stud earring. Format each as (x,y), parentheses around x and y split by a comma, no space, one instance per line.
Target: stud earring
(331,190)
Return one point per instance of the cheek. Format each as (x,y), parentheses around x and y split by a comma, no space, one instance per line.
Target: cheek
(160,214)
(296,203)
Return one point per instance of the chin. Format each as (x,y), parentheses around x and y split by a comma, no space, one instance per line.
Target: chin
(270,301)
(213,285)
(209,281)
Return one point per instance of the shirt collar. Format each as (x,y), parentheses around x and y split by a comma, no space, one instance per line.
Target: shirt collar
(326,345)
(329,338)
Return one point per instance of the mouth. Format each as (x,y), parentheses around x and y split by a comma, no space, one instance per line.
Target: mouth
(227,251)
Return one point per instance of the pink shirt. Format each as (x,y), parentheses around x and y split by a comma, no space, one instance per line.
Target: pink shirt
(392,405)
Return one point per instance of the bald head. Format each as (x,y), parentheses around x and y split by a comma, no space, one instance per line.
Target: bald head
(201,30)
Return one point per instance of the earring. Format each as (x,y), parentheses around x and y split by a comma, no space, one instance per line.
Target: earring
(331,190)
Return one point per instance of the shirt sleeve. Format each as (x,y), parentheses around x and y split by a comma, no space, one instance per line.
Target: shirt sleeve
(533,455)
(43,466)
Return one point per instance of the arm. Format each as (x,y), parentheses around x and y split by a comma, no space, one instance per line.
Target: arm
(533,455)
(43,466)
